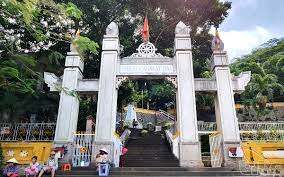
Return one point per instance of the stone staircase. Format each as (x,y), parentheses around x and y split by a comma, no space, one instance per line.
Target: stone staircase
(151,156)
(157,171)
(149,151)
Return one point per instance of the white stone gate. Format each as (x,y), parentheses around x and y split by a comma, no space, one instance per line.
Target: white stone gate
(146,63)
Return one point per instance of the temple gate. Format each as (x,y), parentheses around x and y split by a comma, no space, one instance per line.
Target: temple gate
(146,63)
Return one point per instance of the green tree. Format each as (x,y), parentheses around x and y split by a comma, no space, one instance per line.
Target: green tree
(44,29)
(34,35)
(266,65)
(262,88)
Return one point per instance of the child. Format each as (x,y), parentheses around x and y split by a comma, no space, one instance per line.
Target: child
(51,165)
(11,168)
(33,168)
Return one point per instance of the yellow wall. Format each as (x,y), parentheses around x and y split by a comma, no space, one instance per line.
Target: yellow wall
(253,152)
(24,151)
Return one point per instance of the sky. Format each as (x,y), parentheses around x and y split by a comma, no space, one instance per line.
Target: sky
(251,23)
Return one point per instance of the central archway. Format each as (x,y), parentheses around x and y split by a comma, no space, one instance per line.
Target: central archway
(147,63)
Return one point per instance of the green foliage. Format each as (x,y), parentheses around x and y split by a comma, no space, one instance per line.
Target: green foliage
(265,64)
(167,125)
(162,93)
(16,74)
(46,28)
(267,81)
(126,94)
(71,10)
(144,133)
(55,57)
(25,8)
(86,45)
(34,40)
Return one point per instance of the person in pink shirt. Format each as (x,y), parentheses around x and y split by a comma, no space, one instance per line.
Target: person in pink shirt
(122,157)
(32,170)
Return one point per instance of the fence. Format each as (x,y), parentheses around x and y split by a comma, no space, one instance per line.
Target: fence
(82,149)
(27,131)
(206,127)
(261,131)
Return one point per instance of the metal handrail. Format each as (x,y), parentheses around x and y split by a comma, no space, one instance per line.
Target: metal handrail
(166,115)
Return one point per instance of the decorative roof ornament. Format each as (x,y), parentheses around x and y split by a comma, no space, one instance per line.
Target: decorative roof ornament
(112,29)
(146,50)
(182,29)
(217,43)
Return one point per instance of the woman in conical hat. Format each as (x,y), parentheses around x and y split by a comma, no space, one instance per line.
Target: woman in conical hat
(11,168)
(104,150)
(102,157)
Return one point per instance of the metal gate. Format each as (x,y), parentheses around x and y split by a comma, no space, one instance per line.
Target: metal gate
(82,149)
(215,141)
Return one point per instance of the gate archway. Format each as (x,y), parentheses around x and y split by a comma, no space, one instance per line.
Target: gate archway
(147,63)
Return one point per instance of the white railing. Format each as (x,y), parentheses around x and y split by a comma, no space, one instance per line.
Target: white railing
(173,141)
(125,136)
(27,131)
(117,150)
(252,126)
(206,127)
(82,149)
(261,131)
(166,115)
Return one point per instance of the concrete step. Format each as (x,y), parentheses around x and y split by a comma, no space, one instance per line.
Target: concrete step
(156,171)
(159,173)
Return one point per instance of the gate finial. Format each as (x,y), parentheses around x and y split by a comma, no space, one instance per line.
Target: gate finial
(182,29)
(112,29)
(217,43)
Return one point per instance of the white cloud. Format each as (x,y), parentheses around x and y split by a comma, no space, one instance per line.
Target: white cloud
(238,43)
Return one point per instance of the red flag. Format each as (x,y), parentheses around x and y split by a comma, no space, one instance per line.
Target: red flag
(145,32)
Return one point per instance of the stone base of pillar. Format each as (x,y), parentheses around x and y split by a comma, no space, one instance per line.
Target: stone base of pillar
(190,154)
(232,162)
(108,145)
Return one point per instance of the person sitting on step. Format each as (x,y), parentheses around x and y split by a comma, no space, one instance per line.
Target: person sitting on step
(32,170)
(51,165)
(11,168)
(102,157)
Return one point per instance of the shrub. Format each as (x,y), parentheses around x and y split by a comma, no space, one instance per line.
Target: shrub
(144,132)
(167,125)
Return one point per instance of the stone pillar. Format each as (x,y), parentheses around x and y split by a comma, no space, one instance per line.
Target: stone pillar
(69,104)
(226,118)
(107,96)
(189,146)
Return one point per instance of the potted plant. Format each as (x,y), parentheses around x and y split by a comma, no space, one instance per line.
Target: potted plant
(144,133)
(167,125)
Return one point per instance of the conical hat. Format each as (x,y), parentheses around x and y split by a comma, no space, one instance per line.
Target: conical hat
(13,160)
(104,150)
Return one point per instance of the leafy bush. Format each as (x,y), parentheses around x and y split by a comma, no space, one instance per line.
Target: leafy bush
(167,125)
(144,132)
